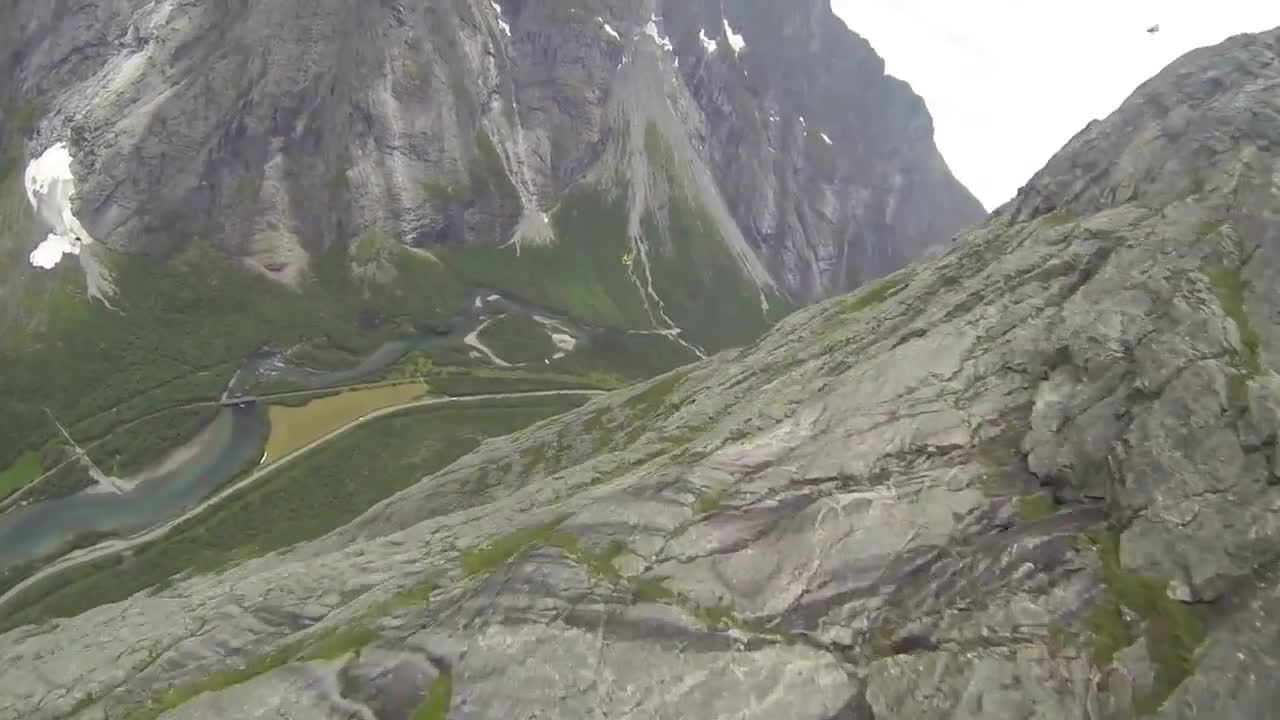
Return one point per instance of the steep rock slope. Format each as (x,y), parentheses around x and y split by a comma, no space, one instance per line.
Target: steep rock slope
(1036,476)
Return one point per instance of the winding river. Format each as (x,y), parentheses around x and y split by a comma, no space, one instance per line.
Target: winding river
(229,446)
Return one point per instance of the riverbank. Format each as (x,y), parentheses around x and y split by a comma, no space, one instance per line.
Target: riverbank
(302,496)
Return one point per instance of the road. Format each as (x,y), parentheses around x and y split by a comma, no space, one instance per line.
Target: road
(110,547)
(16,497)
(228,401)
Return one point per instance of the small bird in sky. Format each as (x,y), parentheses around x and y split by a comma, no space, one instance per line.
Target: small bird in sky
(1153,29)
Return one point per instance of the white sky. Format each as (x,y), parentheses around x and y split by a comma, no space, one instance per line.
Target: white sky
(1009,81)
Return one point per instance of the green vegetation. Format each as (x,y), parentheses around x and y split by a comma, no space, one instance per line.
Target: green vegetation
(709,502)
(184,326)
(320,491)
(318,356)
(518,338)
(439,192)
(704,287)
(1207,227)
(167,700)
(1058,639)
(651,590)
(994,460)
(487,558)
(720,616)
(625,356)
(1053,270)
(329,645)
(1057,218)
(1230,289)
(655,398)
(598,563)
(875,294)
(133,448)
(1172,629)
(489,177)
(67,480)
(340,643)
(371,247)
(416,595)
(24,470)
(581,274)
(462,382)
(1033,508)
(439,697)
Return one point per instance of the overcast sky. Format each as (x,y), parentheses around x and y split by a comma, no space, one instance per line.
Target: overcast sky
(1009,82)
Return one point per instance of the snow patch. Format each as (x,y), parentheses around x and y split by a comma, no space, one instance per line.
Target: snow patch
(707,43)
(472,341)
(501,22)
(49,253)
(50,187)
(825,139)
(609,29)
(561,336)
(651,29)
(736,41)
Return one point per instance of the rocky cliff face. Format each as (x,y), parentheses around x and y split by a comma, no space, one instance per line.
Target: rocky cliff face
(1035,477)
(280,130)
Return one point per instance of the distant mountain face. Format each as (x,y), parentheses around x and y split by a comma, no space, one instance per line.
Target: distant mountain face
(732,158)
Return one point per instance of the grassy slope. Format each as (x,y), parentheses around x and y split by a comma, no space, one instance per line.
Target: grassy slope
(518,338)
(582,274)
(24,470)
(302,501)
(703,287)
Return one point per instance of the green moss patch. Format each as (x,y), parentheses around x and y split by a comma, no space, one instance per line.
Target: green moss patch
(1033,508)
(439,697)
(487,558)
(709,502)
(1172,629)
(651,590)
(599,563)
(1230,289)
(874,295)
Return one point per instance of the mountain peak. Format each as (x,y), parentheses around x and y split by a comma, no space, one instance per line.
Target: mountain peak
(1207,126)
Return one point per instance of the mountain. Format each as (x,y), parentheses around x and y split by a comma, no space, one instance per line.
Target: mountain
(1034,476)
(280,131)
(323,176)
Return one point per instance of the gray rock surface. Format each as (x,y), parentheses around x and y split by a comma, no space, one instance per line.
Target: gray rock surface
(988,487)
(281,129)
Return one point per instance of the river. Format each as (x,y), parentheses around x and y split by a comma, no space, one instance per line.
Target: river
(230,445)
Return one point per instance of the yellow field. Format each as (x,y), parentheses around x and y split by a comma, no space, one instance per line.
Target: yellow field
(295,427)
